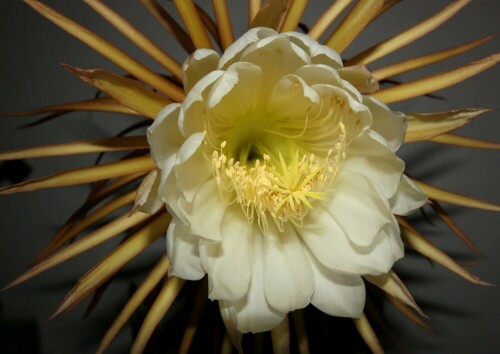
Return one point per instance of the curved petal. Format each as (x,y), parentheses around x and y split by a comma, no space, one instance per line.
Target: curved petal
(229,262)
(192,167)
(197,65)
(193,109)
(277,57)
(379,164)
(358,209)
(182,249)
(337,294)
(320,54)
(253,312)
(408,197)
(356,117)
(163,135)
(288,281)
(207,212)
(233,52)
(331,246)
(319,74)
(235,93)
(169,192)
(391,125)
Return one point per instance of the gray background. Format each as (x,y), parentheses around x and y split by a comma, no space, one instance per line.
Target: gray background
(464,316)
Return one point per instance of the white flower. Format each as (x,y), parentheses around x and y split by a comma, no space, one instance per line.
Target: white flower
(281,178)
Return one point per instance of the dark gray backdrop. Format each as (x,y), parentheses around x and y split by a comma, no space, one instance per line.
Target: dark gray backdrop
(464,316)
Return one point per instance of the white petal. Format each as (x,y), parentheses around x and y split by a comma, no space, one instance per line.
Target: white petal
(193,109)
(356,116)
(197,65)
(277,57)
(192,167)
(253,312)
(233,52)
(358,208)
(147,198)
(337,294)
(331,246)
(291,98)
(164,136)
(379,164)
(208,212)
(320,54)
(229,262)
(359,77)
(408,198)
(288,282)
(182,249)
(319,74)
(170,193)
(237,90)
(391,125)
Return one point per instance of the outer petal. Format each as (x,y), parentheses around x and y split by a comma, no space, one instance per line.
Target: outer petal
(375,161)
(229,262)
(192,167)
(319,74)
(337,294)
(193,109)
(408,197)
(233,52)
(197,65)
(182,249)
(164,136)
(277,57)
(288,281)
(235,92)
(170,193)
(207,212)
(253,312)
(331,246)
(320,54)
(391,125)
(359,77)
(358,208)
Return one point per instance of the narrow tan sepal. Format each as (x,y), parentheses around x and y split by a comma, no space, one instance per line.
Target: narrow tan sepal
(78,147)
(84,175)
(435,82)
(368,334)
(392,285)
(300,331)
(194,25)
(280,337)
(105,104)
(406,37)
(108,231)
(453,226)
(455,198)
(147,199)
(126,91)
(154,277)
(353,24)
(194,318)
(327,18)
(465,141)
(425,126)
(360,77)
(405,310)
(110,51)
(270,15)
(422,245)
(114,261)
(159,308)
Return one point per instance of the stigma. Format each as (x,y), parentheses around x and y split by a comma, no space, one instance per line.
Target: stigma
(278,188)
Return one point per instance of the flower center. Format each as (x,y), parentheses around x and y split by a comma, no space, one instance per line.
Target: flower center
(279,184)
